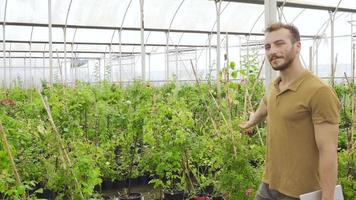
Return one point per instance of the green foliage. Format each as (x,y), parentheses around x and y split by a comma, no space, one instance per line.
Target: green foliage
(185,137)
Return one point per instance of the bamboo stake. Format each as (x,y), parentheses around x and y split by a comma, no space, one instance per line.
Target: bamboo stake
(217,105)
(60,142)
(8,150)
(206,105)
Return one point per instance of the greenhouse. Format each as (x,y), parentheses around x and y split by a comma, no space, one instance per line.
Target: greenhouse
(149,99)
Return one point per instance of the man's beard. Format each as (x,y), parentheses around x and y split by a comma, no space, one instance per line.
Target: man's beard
(288,60)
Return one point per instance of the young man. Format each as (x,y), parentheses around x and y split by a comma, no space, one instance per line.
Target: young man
(302,124)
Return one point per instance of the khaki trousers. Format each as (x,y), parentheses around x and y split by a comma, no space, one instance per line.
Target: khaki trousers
(264,193)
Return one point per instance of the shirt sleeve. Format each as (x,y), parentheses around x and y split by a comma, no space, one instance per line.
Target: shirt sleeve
(325,106)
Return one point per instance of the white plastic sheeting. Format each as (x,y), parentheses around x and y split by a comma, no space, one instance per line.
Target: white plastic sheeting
(177,15)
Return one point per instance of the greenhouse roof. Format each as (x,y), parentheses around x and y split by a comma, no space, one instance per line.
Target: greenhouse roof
(93,20)
(95,28)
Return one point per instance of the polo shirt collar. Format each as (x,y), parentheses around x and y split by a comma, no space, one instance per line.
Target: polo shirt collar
(295,84)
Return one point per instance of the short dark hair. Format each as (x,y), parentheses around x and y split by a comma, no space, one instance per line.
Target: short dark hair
(295,37)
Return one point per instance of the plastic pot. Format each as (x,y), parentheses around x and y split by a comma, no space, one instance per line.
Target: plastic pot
(131,196)
(173,195)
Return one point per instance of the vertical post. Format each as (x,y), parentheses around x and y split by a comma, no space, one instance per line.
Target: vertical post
(4,44)
(65,52)
(120,60)
(316,60)
(110,62)
(218,10)
(88,71)
(270,17)
(209,57)
(352,50)
(24,72)
(177,72)
(218,45)
(311,59)
(10,71)
(332,20)
(99,60)
(50,42)
(143,58)
(167,56)
(149,67)
(353,62)
(227,51)
(44,68)
(30,65)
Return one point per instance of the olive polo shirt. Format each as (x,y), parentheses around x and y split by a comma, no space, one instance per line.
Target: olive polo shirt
(292,155)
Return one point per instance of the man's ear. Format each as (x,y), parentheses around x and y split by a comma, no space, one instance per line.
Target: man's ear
(298,45)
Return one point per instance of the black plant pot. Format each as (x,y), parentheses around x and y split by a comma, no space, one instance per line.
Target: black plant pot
(106,184)
(218,198)
(175,195)
(131,196)
(46,194)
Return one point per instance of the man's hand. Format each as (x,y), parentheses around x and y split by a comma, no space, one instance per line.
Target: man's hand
(255,117)
(247,124)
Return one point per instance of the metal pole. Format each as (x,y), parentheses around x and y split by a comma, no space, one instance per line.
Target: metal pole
(44,69)
(65,53)
(99,60)
(65,43)
(50,43)
(167,56)
(352,50)
(120,61)
(209,55)
(218,6)
(10,71)
(143,58)
(218,45)
(4,45)
(30,65)
(317,60)
(332,20)
(270,17)
(88,72)
(311,59)
(110,62)
(149,67)
(227,51)
(24,74)
(353,62)
(177,76)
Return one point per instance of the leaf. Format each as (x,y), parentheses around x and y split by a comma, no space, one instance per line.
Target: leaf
(232,65)
(234,74)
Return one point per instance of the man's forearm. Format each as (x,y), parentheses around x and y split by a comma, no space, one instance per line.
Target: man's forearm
(328,173)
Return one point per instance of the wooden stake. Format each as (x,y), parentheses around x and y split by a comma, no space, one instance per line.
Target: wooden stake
(8,150)
(60,142)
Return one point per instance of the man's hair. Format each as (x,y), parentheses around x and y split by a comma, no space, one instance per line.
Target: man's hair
(295,37)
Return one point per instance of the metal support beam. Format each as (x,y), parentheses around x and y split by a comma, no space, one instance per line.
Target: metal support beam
(270,17)
(132,29)
(143,51)
(167,56)
(4,44)
(50,42)
(332,53)
(298,5)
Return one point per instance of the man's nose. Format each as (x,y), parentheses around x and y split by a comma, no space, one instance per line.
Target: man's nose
(273,50)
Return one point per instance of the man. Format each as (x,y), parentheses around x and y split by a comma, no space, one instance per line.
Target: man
(302,124)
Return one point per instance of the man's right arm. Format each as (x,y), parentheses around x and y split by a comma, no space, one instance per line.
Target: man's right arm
(256,117)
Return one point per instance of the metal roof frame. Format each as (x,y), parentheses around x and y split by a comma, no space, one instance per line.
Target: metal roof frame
(298,5)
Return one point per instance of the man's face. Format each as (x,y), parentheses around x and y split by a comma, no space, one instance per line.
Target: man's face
(279,49)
